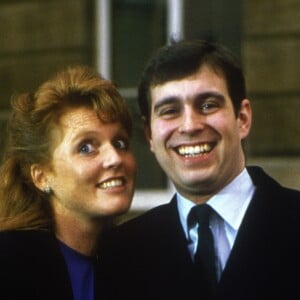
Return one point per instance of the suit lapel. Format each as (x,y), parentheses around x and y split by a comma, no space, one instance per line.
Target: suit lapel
(172,235)
(250,260)
(174,258)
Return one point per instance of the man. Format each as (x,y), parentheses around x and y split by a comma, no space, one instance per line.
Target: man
(196,120)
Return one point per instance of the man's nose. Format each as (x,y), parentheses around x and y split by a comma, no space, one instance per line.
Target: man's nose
(191,121)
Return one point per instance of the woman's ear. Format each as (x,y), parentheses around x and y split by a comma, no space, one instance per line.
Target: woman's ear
(38,176)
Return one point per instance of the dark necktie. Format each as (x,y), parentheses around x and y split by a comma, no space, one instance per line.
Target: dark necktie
(205,254)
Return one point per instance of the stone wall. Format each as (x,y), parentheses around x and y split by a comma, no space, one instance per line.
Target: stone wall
(36,39)
(271,57)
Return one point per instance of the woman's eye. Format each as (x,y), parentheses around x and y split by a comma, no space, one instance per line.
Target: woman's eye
(121,144)
(86,148)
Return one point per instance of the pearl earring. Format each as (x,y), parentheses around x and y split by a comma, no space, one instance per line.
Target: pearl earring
(47,190)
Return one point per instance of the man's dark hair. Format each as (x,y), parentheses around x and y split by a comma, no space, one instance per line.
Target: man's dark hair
(184,58)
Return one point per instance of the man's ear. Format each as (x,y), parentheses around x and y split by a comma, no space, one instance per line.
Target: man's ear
(38,176)
(147,132)
(245,118)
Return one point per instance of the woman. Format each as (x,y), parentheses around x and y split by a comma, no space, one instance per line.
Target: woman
(67,171)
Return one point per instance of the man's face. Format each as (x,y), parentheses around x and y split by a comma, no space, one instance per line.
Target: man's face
(195,135)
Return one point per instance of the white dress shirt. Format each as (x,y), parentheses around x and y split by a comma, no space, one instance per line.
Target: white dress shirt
(230,205)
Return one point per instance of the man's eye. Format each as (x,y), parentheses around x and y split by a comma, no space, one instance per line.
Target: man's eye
(168,111)
(121,144)
(206,106)
(86,148)
(209,107)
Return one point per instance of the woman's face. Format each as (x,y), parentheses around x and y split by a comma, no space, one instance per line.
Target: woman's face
(92,170)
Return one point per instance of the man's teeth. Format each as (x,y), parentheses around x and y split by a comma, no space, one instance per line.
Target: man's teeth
(194,150)
(111,183)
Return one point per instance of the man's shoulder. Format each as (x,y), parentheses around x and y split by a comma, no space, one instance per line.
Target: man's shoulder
(275,194)
(148,227)
(265,181)
(150,218)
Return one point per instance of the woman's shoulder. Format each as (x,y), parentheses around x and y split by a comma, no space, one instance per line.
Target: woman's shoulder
(31,265)
(17,242)
(19,235)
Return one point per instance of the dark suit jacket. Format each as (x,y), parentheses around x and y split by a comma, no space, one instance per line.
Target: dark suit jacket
(147,257)
(32,267)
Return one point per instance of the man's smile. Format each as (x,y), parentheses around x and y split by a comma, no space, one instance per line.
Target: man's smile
(194,150)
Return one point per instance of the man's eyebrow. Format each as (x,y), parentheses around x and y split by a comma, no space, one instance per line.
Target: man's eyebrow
(198,97)
(206,95)
(165,101)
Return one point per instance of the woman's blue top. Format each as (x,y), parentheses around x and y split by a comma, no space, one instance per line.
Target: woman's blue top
(81,272)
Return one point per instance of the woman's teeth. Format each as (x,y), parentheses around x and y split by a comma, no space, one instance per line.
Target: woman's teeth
(111,183)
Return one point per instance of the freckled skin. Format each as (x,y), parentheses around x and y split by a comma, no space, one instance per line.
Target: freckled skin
(197,110)
(89,153)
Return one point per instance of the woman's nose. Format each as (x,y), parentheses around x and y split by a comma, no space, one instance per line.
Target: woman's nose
(111,157)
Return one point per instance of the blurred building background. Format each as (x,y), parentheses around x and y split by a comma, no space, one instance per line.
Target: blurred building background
(38,37)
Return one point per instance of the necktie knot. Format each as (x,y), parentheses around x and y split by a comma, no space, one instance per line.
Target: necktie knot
(201,214)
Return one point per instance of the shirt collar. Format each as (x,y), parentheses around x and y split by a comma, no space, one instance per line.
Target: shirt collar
(226,203)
